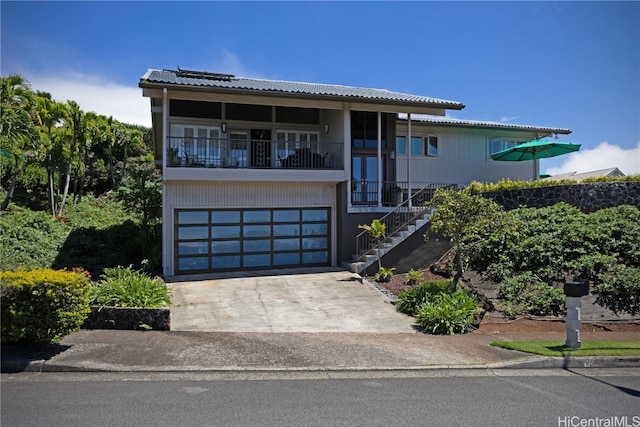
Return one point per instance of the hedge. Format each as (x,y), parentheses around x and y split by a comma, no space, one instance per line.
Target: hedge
(42,306)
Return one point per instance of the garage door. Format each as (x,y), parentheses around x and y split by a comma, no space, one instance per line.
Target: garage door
(232,239)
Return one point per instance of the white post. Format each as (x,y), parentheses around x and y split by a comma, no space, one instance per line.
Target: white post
(408,147)
(573,322)
(379,159)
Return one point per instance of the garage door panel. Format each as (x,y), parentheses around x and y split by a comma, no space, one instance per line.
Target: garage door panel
(251,238)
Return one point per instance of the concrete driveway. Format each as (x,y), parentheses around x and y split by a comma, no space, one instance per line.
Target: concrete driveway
(327,300)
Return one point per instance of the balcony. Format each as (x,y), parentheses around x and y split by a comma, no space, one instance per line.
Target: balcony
(252,154)
(394,193)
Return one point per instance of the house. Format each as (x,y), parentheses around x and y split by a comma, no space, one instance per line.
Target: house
(262,174)
(574,176)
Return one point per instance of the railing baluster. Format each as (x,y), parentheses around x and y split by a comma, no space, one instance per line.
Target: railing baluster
(397,219)
(259,154)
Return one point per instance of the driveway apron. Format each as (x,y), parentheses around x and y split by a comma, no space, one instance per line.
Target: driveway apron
(322,301)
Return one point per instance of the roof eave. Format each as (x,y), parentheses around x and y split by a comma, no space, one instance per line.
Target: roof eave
(145,84)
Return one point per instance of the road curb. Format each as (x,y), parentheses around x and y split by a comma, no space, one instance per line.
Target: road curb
(536,362)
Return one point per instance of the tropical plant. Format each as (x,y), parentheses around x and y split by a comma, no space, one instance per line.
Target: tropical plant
(126,287)
(414,277)
(17,131)
(409,300)
(448,314)
(378,231)
(384,274)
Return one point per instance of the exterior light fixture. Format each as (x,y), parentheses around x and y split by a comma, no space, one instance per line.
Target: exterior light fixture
(326,128)
(224,128)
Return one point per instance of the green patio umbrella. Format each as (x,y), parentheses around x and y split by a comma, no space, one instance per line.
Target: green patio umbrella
(534,150)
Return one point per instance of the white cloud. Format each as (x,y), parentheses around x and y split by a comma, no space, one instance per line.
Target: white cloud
(125,103)
(507,119)
(604,156)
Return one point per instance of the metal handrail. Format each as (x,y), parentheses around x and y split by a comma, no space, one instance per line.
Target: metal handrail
(397,220)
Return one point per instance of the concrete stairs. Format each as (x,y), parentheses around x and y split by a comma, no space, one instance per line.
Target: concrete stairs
(367,257)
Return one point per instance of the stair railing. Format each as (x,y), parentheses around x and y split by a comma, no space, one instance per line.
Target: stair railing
(398,219)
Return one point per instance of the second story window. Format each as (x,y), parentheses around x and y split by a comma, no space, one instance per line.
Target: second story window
(364,130)
(431,145)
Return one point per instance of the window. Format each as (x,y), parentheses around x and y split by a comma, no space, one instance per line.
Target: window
(431,145)
(307,116)
(401,145)
(249,112)
(195,145)
(364,129)
(198,109)
(499,144)
(416,146)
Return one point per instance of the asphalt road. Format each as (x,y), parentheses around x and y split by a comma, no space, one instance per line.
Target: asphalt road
(437,398)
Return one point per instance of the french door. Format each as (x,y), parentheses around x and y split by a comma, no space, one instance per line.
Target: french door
(364,184)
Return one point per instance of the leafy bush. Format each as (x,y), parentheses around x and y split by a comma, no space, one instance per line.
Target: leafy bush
(559,242)
(384,274)
(526,293)
(29,240)
(506,184)
(448,314)
(414,277)
(41,306)
(126,287)
(619,291)
(409,300)
(589,267)
(91,236)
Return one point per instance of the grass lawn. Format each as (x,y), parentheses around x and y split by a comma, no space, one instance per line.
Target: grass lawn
(587,348)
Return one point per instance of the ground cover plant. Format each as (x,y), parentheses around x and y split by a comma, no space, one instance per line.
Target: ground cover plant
(129,288)
(587,348)
(439,309)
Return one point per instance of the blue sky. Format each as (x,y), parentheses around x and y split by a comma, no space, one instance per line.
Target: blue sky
(563,64)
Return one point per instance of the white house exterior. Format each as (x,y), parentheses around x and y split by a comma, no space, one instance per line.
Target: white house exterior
(262,174)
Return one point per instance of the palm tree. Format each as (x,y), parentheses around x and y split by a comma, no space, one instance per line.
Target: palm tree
(16,125)
(75,122)
(49,114)
(378,231)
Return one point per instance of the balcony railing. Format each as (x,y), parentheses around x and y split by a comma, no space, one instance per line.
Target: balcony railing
(394,193)
(254,154)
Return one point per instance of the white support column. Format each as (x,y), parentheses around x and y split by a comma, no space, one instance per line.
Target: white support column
(167,218)
(408,147)
(573,323)
(347,149)
(379,159)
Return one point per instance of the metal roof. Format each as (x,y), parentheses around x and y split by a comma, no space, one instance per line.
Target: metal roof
(188,78)
(445,121)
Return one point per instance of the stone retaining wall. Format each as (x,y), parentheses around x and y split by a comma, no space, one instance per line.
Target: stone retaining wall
(587,197)
(156,319)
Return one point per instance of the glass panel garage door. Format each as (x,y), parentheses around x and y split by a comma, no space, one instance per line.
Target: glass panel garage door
(233,239)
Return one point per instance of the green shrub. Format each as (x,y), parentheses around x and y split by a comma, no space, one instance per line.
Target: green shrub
(384,274)
(414,277)
(29,240)
(41,306)
(448,314)
(620,291)
(588,267)
(409,300)
(531,295)
(126,287)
